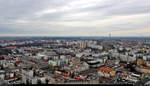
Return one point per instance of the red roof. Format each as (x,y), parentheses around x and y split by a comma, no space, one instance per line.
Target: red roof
(45,60)
(11,47)
(17,62)
(65,79)
(17,76)
(35,51)
(71,69)
(77,78)
(79,65)
(65,74)
(56,76)
(106,69)
(122,75)
(50,40)
(84,75)
(8,59)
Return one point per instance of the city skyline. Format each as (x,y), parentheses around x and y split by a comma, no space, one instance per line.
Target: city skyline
(75,18)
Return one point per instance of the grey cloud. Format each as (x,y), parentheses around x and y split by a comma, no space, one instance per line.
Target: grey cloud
(13,10)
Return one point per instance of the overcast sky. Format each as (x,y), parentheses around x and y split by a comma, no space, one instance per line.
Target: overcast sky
(74,17)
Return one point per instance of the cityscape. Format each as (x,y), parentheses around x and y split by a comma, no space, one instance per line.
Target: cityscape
(75,60)
(75,42)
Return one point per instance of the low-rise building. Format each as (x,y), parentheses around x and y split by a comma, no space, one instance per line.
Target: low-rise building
(106,72)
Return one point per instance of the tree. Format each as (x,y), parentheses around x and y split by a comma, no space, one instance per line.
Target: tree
(39,81)
(47,81)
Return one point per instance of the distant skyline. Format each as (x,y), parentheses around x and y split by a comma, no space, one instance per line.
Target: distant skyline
(75,18)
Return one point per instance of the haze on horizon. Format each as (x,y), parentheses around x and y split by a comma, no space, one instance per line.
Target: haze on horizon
(74,17)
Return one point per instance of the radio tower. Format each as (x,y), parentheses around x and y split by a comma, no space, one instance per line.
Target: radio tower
(109,35)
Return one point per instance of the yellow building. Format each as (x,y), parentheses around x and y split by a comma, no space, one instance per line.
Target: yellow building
(145,70)
(140,62)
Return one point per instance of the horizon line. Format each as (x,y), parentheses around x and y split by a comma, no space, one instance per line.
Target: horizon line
(76,36)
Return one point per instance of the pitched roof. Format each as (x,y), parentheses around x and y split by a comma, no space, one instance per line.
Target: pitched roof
(17,76)
(106,69)
(8,59)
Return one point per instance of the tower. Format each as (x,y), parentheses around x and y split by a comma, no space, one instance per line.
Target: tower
(109,35)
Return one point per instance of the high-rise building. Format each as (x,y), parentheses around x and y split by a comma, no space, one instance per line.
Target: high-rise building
(83,45)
